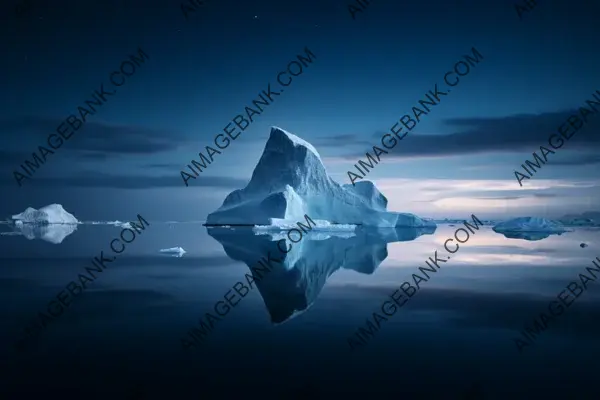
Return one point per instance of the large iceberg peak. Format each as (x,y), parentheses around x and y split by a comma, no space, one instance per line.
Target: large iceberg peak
(281,138)
(288,160)
(290,181)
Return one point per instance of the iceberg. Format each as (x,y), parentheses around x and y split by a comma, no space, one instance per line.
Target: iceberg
(290,181)
(589,218)
(530,224)
(174,251)
(51,214)
(116,223)
(529,228)
(51,223)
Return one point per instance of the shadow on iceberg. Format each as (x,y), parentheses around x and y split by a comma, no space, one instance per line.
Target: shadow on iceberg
(293,285)
(52,233)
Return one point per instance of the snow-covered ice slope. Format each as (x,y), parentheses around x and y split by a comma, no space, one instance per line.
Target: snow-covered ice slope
(290,181)
(51,214)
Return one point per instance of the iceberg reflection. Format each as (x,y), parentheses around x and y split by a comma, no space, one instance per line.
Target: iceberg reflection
(531,236)
(293,285)
(53,233)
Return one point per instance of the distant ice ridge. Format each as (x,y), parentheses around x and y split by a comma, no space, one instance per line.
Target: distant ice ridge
(529,224)
(588,218)
(458,221)
(50,214)
(174,251)
(290,181)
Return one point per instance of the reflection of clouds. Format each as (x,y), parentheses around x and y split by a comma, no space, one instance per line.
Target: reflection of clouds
(511,259)
(482,237)
(485,248)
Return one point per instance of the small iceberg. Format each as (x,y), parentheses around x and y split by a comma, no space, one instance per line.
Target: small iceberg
(583,245)
(119,224)
(530,224)
(174,251)
(578,222)
(51,223)
(588,218)
(529,228)
(51,214)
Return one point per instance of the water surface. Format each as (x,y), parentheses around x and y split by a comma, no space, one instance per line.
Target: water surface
(124,333)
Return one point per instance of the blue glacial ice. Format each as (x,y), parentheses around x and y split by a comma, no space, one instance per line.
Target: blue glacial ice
(290,181)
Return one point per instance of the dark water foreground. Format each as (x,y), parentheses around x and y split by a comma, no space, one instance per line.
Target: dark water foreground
(287,338)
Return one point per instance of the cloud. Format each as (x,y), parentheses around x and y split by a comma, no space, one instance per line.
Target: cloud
(528,195)
(99,180)
(545,195)
(578,161)
(12,158)
(481,185)
(171,166)
(98,138)
(341,141)
(92,156)
(501,198)
(484,135)
(487,197)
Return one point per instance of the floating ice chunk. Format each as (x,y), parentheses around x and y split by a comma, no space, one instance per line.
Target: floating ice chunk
(50,214)
(174,251)
(530,224)
(319,224)
(118,223)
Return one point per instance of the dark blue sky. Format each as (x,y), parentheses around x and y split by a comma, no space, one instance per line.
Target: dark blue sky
(202,71)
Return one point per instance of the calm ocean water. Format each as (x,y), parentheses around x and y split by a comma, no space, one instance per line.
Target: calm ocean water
(122,337)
